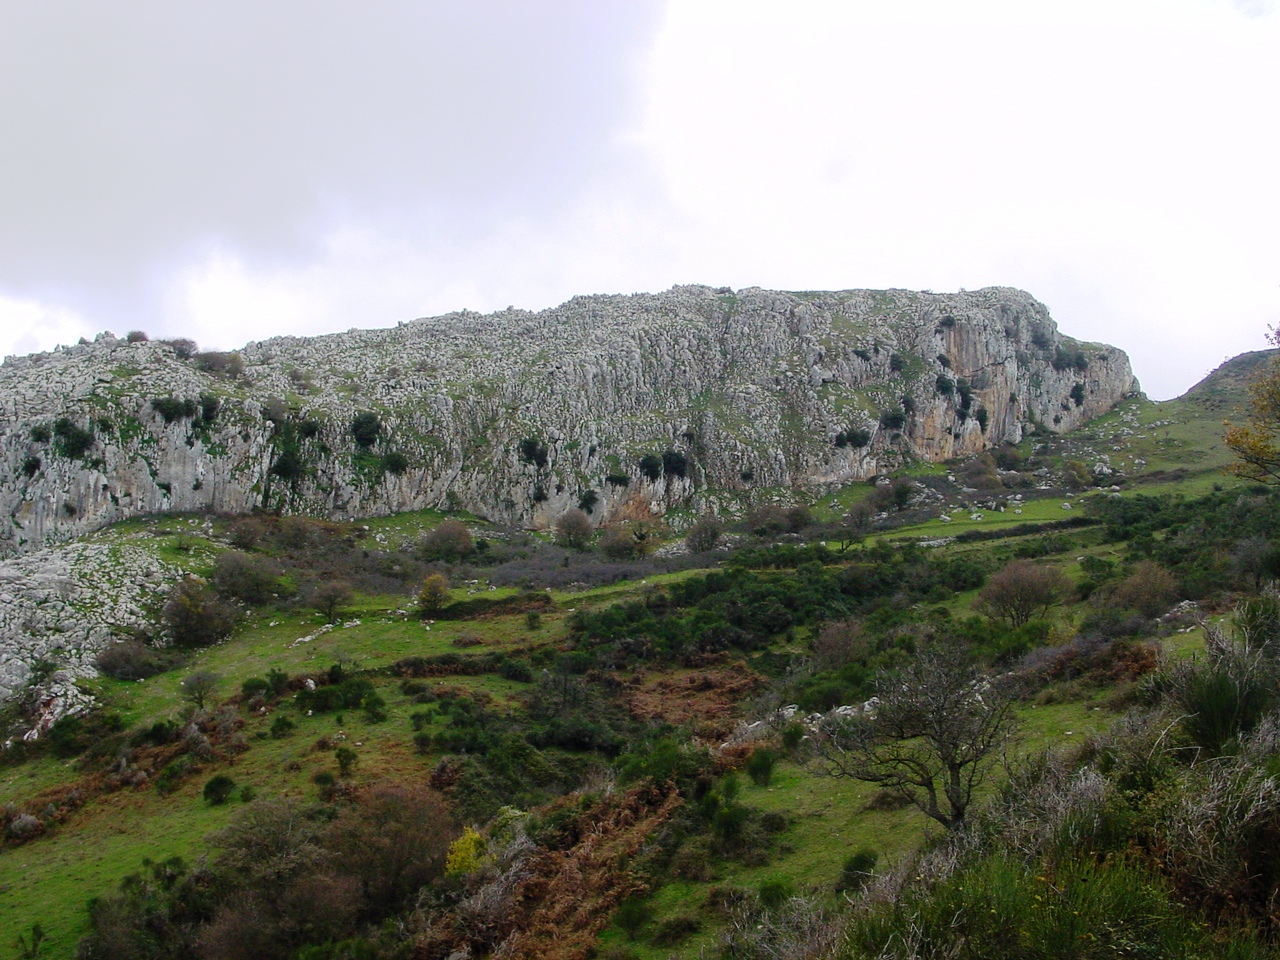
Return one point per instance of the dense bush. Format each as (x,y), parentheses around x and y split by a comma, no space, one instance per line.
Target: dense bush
(230,365)
(195,616)
(651,466)
(395,463)
(73,441)
(246,577)
(171,408)
(134,660)
(365,428)
(450,541)
(534,451)
(893,419)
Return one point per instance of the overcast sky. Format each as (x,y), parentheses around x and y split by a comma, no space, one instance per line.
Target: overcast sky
(234,170)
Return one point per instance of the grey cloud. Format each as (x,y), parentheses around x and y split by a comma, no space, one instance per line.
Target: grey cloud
(135,131)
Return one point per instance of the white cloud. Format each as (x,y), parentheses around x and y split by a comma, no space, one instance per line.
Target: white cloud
(31,326)
(1115,158)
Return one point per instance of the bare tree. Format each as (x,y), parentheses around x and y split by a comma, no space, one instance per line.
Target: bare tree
(330,597)
(934,738)
(574,529)
(199,687)
(1151,589)
(1022,591)
(704,534)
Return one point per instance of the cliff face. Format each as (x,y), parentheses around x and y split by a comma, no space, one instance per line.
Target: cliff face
(517,415)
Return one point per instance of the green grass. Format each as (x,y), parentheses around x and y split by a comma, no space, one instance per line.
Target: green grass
(49,881)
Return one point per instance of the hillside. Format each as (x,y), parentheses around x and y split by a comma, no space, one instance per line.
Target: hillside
(651,402)
(627,723)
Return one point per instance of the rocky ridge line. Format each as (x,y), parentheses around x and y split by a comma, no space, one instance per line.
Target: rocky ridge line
(519,416)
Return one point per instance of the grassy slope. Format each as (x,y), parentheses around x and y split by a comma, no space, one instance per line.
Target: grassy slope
(50,880)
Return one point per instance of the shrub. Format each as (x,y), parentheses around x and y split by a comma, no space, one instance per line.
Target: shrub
(375,707)
(347,760)
(760,766)
(136,336)
(73,441)
(195,616)
(171,408)
(651,466)
(675,930)
(588,500)
(365,428)
(1151,589)
(132,660)
(31,466)
(465,853)
(183,348)
(893,419)
(857,870)
(209,407)
(219,789)
(617,480)
(1220,701)
(254,687)
(774,893)
(857,437)
(631,916)
(433,596)
(395,463)
(618,543)
(245,577)
(533,451)
(229,365)
(673,463)
(281,726)
(40,434)
(198,688)
(1021,591)
(450,541)
(330,597)
(23,826)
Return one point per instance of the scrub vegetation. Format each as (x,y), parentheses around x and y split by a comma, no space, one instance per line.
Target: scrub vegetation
(848,728)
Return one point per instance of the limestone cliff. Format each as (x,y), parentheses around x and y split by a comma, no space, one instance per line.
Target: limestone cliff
(518,415)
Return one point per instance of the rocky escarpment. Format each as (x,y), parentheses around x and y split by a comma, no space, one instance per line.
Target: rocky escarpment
(60,607)
(615,402)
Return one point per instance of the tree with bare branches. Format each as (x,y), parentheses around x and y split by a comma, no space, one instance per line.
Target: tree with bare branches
(1022,591)
(574,529)
(935,736)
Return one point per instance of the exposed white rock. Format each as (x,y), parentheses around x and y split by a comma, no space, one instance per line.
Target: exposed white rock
(753,389)
(61,606)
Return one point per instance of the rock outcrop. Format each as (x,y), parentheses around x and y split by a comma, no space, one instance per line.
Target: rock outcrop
(60,607)
(622,402)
